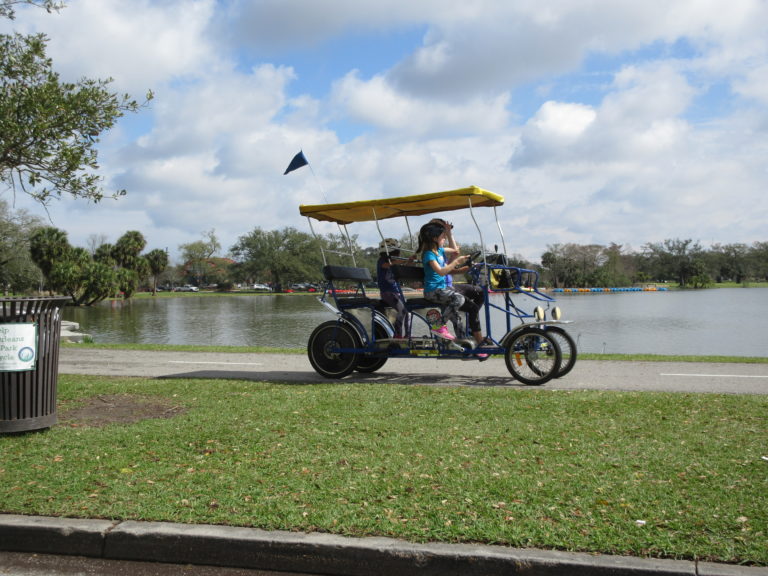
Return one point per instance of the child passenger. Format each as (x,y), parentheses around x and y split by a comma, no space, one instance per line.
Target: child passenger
(390,248)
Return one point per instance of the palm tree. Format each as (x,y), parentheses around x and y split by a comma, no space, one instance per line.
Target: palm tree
(48,246)
(158,262)
(127,249)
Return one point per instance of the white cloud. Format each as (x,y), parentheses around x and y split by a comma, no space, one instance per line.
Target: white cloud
(634,148)
(754,84)
(378,104)
(141,44)
(563,122)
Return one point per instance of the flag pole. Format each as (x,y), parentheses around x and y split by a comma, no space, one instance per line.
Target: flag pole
(342,229)
(317,180)
(301,160)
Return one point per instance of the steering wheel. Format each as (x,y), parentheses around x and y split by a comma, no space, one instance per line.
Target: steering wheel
(472,257)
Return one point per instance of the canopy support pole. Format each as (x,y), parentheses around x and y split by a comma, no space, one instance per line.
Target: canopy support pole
(501,232)
(319,242)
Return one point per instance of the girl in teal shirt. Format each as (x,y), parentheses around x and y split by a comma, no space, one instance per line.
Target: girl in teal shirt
(432,247)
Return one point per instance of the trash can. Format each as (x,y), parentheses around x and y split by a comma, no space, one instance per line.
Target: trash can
(30,332)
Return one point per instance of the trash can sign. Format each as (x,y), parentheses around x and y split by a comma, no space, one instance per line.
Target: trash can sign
(18,346)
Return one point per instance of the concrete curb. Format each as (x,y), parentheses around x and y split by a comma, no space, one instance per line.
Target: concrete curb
(70,332)
(319,553)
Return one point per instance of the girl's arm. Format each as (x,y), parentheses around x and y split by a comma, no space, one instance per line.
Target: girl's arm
(452,250)
(451,247)
(449,268)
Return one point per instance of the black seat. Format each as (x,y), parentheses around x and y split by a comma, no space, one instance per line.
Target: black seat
(343,299)
(404,273)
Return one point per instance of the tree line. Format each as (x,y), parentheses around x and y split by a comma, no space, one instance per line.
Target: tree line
(35,258)
(678,261)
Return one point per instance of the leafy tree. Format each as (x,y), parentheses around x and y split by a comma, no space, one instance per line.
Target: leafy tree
(613,270)
(49,129)
(571,264)
(674,259)
(7,6)
(729,262)
(17,272)
(281,256)
(195,255)
(698,277)
(758,260)
(552,262)
(219,271)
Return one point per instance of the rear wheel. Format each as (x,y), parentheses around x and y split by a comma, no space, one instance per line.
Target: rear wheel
(567,348)
(532,356)
(324,347)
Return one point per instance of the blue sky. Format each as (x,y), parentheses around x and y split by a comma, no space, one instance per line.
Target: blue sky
(599,121)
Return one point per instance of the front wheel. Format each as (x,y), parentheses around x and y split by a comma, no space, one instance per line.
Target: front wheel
(324,349)
(532,356)
(567,349)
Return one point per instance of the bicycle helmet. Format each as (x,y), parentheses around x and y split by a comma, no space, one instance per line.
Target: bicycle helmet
(389,245)
(431,230)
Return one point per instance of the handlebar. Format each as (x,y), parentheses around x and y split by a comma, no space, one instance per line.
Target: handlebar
(472,257)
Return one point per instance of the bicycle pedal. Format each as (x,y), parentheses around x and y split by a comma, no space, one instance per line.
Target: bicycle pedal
(462,345)
(465,343)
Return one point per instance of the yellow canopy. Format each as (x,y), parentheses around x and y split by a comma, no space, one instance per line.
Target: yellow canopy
(366,210)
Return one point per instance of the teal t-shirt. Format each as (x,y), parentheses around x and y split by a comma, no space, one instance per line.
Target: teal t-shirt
(432,280)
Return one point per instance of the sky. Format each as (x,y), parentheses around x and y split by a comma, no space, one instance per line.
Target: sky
(599,121)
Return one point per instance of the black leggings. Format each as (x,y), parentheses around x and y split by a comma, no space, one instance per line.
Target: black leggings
(454,301)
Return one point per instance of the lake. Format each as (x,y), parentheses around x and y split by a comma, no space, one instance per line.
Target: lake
(725,321)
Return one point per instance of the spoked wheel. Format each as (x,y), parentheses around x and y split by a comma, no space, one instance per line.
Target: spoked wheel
(567,348)
(323,346)
(370,364)
(532,356)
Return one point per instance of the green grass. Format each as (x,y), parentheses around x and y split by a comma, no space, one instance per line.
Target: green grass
(741,285)
(643,474)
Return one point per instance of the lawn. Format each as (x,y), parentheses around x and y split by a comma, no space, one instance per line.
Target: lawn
(642,474)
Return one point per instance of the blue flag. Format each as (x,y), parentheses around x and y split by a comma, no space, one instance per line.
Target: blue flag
(298,161)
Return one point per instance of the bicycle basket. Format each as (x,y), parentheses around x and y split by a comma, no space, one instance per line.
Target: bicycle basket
(501,279)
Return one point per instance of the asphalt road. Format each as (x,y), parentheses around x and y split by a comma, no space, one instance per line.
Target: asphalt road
(295,368)
(25,564)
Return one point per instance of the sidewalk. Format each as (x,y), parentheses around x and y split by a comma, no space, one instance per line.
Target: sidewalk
(319,553)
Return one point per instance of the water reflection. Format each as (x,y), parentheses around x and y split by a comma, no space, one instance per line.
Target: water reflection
(247,320)
(704,322)
(723,321)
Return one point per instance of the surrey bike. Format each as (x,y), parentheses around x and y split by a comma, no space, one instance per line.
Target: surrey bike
(535,348)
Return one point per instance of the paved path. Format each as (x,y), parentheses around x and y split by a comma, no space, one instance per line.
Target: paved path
(295,368)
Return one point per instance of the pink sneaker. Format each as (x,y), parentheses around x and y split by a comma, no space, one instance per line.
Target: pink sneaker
(444,333)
